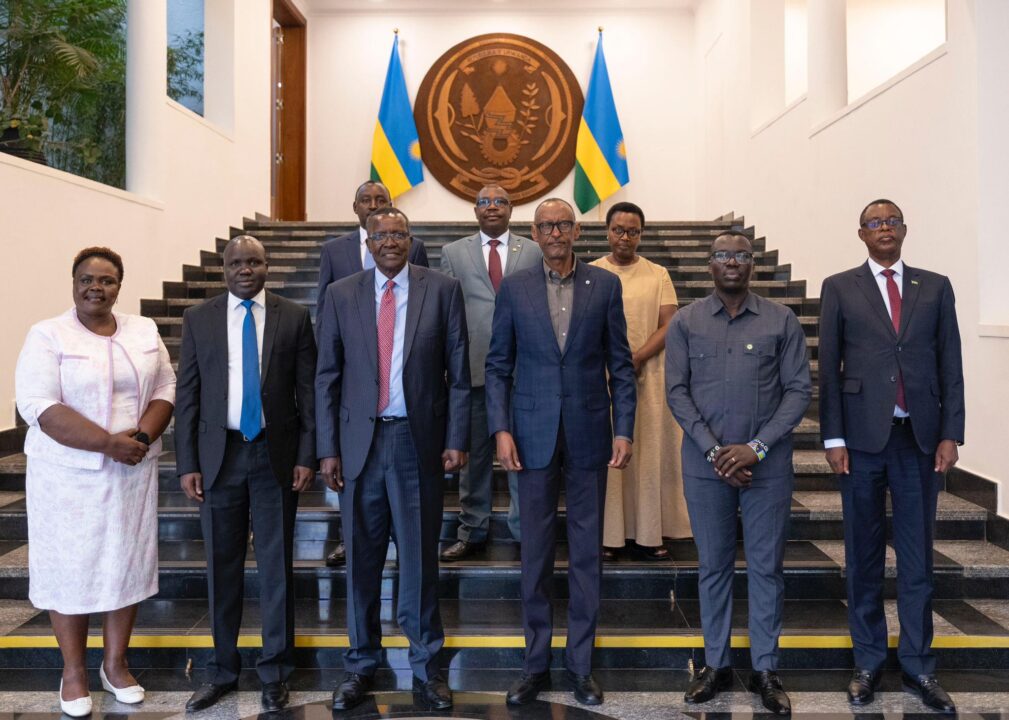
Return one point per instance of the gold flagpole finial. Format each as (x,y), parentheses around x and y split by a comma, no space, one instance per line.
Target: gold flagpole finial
(600,28)
(395,31)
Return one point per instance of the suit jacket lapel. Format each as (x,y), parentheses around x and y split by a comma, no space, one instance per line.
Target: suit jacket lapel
(536,287)
(476,255)
(514,252)
(414,303)
(354,252)
(867,284)
(219,339)
(583,287)
(269,332)
(909,297)
(365,299)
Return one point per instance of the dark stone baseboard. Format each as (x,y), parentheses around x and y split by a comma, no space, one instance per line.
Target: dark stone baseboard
(983,492)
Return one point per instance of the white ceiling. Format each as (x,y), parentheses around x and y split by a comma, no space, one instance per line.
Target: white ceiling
(326,6)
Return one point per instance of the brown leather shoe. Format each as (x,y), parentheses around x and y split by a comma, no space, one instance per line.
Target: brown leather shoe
(338,556)
(461,549)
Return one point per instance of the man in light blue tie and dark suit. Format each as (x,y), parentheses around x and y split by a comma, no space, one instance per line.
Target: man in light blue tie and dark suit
(393,418)
(481,262)
(245,445)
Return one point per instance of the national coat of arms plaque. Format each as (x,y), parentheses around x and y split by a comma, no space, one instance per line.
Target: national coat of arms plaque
(500,109)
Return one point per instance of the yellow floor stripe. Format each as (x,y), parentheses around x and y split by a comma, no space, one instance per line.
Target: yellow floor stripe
(818,642)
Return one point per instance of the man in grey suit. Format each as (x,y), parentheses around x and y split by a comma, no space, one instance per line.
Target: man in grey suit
(393,418)
(738,383)
(480,262)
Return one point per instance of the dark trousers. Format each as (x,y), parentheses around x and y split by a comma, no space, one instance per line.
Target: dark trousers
(765,508)
(476,479)
(539,492)
(246,485)
(391,493)
(910,476)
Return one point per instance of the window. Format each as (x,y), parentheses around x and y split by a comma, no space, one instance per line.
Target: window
(886,36)
(185,53)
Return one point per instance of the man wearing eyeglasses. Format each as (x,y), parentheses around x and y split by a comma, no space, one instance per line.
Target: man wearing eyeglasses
(558,330)
(480,262)
(891,416)
(393,374)
(343,256)
(737,382)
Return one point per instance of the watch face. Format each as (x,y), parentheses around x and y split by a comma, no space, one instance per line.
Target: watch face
(142,437)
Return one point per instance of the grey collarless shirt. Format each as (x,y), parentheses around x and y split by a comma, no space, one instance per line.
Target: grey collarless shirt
(732,380)
(560,295)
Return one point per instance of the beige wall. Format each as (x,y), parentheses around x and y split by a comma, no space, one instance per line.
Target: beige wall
(214,176)
(649,54)
(913,140)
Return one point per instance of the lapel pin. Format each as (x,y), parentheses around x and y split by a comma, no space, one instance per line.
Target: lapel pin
(914,282)
(749,346)
(588,282)
(515,248)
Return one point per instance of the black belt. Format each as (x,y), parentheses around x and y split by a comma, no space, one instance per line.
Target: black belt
(391,418)
(237,436)
(901,420)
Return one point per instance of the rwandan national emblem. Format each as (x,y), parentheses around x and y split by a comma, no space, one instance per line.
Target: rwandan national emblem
(500,109)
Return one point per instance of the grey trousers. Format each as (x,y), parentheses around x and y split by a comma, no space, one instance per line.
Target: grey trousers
(766,507)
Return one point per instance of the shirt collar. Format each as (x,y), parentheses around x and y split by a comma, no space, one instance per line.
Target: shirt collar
(363,233)
(897,267)
(550,273)
(402,279)
(485,238)
(235,302)
(751,303)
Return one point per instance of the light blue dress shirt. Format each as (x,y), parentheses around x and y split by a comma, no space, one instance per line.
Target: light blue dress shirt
(397,401)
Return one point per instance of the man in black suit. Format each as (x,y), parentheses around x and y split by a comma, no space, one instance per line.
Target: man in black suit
(891,417)
(245,443)
(348,254)
(392,418)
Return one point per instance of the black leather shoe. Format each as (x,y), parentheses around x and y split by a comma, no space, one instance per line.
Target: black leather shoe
(527,688)
(708,683)
(351,691)
(460,550)
(208,694)
(274,696)
(585,689)
(768,686)
(433,694)
(862,686)
(930,692)
(338,556)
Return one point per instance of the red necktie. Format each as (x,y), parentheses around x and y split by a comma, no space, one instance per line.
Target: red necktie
(386,333)
(494,265)
(894,294)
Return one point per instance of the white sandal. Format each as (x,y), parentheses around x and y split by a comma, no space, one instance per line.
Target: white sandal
(130,695)
(75,708)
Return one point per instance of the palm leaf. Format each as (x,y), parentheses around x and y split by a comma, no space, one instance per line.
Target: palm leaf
(75,58)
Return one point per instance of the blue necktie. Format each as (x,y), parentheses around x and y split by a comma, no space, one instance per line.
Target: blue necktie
(369,259)
(252,402)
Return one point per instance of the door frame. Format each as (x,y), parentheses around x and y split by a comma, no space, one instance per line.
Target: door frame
(289,201)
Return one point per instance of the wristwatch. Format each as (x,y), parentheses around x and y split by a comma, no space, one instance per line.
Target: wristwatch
(142,437)
(710,455)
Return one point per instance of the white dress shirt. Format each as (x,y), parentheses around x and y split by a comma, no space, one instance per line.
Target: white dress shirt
(236,322)
(364,246)
(877,274)
(397,400)
(502,249)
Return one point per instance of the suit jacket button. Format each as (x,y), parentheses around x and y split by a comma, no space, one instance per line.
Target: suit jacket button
(371,419)
(893,378)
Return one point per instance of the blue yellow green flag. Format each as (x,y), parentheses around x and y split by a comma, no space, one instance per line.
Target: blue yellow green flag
(600,155)
(395,149)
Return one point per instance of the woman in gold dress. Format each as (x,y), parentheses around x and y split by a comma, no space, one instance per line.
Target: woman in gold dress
(644,502)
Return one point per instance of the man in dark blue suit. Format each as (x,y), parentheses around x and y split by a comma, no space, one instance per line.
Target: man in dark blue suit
(891,417)
(558,330)
(393,418)
(348,254)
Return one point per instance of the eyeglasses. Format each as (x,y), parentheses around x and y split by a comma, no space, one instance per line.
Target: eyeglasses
(632,233)
(380,237)
(743,257)
(547,228)
(500,202)
(876,223)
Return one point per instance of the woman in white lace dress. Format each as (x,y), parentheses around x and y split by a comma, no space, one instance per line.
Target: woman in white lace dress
(97,390)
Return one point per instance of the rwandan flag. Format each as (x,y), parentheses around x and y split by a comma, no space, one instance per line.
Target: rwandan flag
(395,149)
(600,155)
